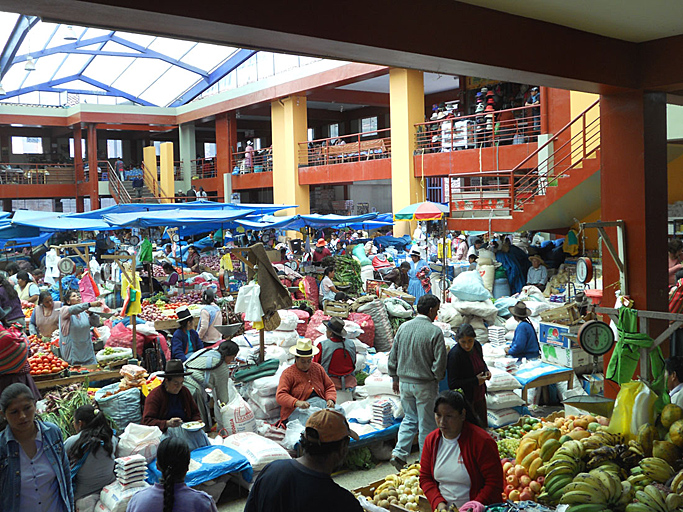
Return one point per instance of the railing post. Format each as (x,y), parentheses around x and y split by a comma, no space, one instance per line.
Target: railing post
(512,192)
(583,120)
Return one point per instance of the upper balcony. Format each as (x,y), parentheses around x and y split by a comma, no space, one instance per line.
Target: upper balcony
(45,180)
(252,169)
(357,157)
(488,141)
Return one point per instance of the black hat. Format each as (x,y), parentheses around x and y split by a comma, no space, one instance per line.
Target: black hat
(174,368)
(520,310)
(337,326)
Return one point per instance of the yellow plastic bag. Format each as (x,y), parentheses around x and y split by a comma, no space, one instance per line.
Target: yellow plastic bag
(634,407)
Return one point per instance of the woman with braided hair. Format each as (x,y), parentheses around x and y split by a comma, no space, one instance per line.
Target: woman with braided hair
(91,456)
(173,460)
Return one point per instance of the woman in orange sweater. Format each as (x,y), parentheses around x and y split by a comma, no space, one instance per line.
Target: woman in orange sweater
(303,380)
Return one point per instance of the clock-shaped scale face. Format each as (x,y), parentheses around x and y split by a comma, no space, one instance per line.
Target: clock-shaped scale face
(596,337)
(584,270)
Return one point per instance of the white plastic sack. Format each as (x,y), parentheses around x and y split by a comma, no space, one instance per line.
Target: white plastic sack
(361,348)
(258,450)
(397,307)
(360,363)
(469,286)
(382,362)
(482,309)
(497,419)
(503,400)
(511,324)
(487,273)
(115,498)
(353,330)
(119,353)
(358,410)
(100,507)
(146,329)
(267,403)
(287,338)
(293,434)
(378,384)
(139,439)
(236,416)
(502,381)
(266,386)
(273,352)
(288,320)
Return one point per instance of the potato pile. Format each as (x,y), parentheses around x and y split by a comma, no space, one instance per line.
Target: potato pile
(402,489)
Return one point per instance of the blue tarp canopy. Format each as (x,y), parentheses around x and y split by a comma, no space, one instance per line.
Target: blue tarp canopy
(51,221)
(33,241)
(300,221)
(193,205)
(208,219)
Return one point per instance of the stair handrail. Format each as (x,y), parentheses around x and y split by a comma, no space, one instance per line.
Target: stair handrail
(554,137)
(585,140)
(152,182)
(116,187)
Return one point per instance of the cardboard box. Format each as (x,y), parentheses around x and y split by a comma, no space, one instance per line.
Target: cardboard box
(567,357)
(594,384)
(555,334)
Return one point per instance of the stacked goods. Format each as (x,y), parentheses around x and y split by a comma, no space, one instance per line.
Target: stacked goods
(497,334)
(133,377)
(131,471)
(382,414)
(212,262)
(500,395)
(401,490)
(384,335)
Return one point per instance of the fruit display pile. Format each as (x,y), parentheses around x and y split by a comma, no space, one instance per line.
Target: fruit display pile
(160,310)
(213,262)
(577,462)
(44,363)
(402,489)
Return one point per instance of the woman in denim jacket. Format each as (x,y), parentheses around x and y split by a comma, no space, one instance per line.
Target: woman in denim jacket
(34,469)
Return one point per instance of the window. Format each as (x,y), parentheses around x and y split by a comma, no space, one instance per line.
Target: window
(334,130)
(157,146)
(209,150)
(114,149)
(311,134)
(27,145)
(257,144)
(71,148)
(368,126)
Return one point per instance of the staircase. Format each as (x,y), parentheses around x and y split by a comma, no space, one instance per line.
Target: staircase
(147,196)
(564,185)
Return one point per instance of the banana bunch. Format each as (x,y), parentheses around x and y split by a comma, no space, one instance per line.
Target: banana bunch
(677,484)
(639,481)
(560,470)
(620,454)
(636,447)
(601,438)
(652,499)
(598,487)
(655,469)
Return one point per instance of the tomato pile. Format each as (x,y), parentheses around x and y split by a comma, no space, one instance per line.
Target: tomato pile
(46,363)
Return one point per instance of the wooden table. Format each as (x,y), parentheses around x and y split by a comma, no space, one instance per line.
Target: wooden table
(546,380)
(65,381)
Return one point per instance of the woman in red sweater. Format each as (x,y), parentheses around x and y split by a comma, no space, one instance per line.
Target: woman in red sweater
(460,462)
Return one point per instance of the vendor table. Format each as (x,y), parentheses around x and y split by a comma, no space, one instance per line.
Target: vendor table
(65,381)
(546,379)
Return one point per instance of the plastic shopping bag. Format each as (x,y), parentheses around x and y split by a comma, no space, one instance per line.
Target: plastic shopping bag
(139,439)
(634,407)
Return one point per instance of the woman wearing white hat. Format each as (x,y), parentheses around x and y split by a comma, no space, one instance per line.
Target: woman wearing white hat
(461,250)
(417,266)
(304,381)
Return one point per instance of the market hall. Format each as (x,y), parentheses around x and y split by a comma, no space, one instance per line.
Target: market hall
(634,121)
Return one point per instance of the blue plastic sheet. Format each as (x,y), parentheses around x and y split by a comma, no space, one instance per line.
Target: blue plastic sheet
(401,243)
(372,437)
(238,463)
(516,279)
(532,371)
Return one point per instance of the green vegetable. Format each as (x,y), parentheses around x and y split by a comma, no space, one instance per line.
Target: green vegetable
(360,458)
(61,404)
(360,378)
(347,270)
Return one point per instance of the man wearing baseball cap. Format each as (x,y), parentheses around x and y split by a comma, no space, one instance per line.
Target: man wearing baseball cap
(306,483)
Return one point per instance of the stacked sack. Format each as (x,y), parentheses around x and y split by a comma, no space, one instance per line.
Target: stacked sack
(384,335)
(501,398)
(261,398)
(130,473)
(258,450)
(286,333)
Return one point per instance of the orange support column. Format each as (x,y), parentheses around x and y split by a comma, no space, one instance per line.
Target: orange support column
(78,167)
(226,142)
(93,179)
(634,189)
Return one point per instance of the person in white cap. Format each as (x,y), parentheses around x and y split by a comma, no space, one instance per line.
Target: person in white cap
(461,251)
(306,483)
(304,381)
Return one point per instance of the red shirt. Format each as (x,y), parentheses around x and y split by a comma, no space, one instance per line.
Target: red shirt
(318,256)
(482,461)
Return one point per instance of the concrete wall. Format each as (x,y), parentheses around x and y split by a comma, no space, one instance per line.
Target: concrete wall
(376,193)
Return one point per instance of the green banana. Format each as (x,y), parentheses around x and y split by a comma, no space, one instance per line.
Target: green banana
(656,495)
(587,507)
(573,497)
(638,507)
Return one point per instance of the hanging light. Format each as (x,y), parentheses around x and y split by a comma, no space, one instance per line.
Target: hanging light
(2,90)
(30,64)
(70,34)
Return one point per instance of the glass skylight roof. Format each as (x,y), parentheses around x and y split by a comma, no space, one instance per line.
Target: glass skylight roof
(125,67)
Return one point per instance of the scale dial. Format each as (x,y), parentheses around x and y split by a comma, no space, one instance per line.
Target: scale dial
(175,238)
(584,270)
(596,337)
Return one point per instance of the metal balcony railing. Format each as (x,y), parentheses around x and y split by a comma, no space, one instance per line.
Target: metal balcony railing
(356,147)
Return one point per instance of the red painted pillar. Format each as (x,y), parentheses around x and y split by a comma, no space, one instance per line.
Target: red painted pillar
(78,167)
(226,142)
(93,180)
(634,189)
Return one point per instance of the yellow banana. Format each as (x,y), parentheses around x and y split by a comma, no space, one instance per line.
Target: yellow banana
(656,495)
(573,497)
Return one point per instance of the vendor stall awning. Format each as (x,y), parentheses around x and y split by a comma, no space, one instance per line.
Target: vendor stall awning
(209,219)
